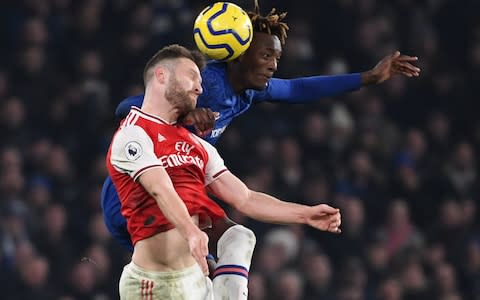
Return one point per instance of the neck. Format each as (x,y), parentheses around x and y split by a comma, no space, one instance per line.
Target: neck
(233,75)
(160,107)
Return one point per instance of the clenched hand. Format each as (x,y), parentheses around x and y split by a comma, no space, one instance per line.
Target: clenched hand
(324,217)
(202,119)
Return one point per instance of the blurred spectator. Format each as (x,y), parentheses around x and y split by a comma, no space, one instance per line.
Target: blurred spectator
(445,283)
(471,269)
(291,171)
(414,282)
(257,287)
(318,277)
(390,289)
(377,261)
(33,280)
(439,139)
(81,282)
(353,231)
(39,193)
(461,171)
(53,241)
(288,285)
(400,233)
(342,129)
(13,121)
(451,230)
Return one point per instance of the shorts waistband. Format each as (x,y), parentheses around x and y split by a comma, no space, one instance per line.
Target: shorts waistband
(169,275)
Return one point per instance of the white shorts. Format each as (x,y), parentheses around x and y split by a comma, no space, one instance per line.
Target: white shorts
(187,284)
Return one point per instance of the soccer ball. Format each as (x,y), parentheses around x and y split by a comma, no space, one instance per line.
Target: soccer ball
(223,31)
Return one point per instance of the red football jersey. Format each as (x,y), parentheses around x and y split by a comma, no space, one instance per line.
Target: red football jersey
(145,141)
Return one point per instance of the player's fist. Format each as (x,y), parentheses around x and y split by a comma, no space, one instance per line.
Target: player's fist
(325,217)
(202,119)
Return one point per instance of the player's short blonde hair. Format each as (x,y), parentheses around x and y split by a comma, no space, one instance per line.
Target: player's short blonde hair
(172,52)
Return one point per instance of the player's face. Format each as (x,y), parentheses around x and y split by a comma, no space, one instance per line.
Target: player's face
(259,62)
(184,86)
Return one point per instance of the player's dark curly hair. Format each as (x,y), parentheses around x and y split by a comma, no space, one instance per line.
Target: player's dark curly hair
(271,23)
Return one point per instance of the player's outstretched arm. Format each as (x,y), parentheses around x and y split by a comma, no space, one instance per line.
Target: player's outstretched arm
(266,208)
(395,63)
(310,89)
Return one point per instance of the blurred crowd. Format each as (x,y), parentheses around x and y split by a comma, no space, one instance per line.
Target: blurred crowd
(400,160)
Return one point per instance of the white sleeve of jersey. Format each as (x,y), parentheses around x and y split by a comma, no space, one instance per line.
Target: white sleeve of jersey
(215,165)
(132,151)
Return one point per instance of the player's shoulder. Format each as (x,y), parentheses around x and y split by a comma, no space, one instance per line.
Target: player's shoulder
(129,132)
(214,69)
(199,141)
(215,65)
(131,140)
(214,83)
(132,129)
(133,125)
(209,148)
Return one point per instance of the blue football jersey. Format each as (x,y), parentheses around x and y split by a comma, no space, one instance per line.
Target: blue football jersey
(219,96)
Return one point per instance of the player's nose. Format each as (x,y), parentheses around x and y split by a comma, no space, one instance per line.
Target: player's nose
(198,89)
(272,65)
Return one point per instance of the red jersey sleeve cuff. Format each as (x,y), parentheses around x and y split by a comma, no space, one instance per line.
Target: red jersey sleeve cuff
(215,176)
(219,173)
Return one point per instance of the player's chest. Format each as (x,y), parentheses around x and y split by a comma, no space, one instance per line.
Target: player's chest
(179,150)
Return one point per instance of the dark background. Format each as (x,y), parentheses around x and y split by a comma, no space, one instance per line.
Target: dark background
(400,159)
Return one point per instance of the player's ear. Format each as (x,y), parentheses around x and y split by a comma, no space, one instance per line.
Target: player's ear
(160,74)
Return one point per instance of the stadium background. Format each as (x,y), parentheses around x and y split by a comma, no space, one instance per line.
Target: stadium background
(400,159)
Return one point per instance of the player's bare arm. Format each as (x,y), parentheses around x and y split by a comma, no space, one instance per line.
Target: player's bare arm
(158,184)
(265,208)
(395,63)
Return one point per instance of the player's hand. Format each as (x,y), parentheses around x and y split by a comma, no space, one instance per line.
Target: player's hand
(202,119)
(325,217)
(198,244)
(394,63)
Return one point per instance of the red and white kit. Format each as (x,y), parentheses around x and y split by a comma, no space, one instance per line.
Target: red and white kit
(144,141)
